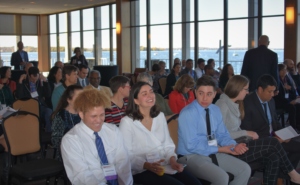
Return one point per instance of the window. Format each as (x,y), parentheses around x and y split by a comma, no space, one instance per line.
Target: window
(209,10)
(31,46)
(237,8)
(273,7)
(75,20)
(159,11)
(177,42)
(8,45)
(63,47)
(88,19)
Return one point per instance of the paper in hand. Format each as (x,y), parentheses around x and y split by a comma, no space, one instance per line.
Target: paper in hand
(286,133)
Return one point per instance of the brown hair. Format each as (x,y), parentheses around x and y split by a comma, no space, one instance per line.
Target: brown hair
(184,81)
(116,82)
(233,87)
(206,80)
(91,98)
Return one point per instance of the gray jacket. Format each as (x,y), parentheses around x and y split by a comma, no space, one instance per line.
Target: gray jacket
(231,116)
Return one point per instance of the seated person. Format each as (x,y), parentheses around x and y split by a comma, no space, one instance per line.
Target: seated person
(159,100)
(78,58)
(296,76)
(264,150)
(36,86)
(93,148)
(55,77)
(64,117)
(200,131)
(59,64)
(261,104)
(82,75)
(292,75)
(69,77)
(120,88)
(226,74)
(200,67)
(160,74)
(94,80)
(286,98)
(172,78)
(189,70)
(182,94)
(5,74)
(27,66)
(209,70)
(213,64)
(145,132)
(6,97)
(154,70)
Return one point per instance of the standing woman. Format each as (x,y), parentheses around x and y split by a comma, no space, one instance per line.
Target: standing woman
(78,58)
(226,74)
(182,94)
(172,78)
(267,151)
(145,132)
(65,116)
(5,73)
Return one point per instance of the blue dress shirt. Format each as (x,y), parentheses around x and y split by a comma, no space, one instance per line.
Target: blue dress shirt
(22,54)
(192,131)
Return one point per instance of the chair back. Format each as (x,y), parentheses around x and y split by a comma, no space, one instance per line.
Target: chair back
(140,70)
(22,134)
(29,105)
(173,130)
(163,83)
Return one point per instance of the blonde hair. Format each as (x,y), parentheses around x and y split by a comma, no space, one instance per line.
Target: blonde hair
(91,98)
(233,88)
(184,81)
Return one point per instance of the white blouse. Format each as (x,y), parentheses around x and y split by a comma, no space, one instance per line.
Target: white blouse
(140,141)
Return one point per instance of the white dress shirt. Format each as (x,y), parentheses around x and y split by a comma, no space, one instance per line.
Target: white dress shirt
(199,72)
(140,141)
(81,159)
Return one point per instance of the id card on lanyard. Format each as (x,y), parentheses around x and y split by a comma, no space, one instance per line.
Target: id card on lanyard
(109,172)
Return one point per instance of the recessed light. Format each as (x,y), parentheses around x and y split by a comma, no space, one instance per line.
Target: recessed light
(32,2)
(91,0)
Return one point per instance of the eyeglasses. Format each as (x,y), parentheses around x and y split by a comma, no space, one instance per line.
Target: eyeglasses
(96,78)
(127,86)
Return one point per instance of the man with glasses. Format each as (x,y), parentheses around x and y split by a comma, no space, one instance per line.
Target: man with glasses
(94,80)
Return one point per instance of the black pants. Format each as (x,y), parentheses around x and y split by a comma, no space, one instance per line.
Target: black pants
(292,149)
(294,113)
(150,178)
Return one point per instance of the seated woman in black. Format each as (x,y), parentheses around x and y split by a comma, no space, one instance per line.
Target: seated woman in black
(286,99)
(65,116)
(55,77)
(172,78)
(78,58)
(226,74)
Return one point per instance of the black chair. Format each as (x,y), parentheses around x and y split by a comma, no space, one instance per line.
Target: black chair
(280,114)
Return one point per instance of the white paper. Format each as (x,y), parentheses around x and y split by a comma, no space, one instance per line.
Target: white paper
(286,133)
(7,111)
(170,170)
(297,100)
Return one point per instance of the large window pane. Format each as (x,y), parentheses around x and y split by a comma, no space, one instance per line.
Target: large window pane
(53,49)
(177,41)
(63,24)
(192,42)
(192,10)
(273,7)
(88,47)
(177,8)
(8,45)
(237,8)
(160,44)
(63,47)
(114,47)
(210,9)
(88,19)
(274,28)
(139,43)
(105,48)
(31,46)
(209,41)
(75,20)
(52,23)
(238,39)
(75,41)
(104,17)
(159,11)
(114,13)
(138,11)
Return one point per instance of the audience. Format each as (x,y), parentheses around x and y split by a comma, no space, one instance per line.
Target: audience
(200,67)
(226,74)
(160,74)
(200,131)
(6,97)
(94,80)
(260,116)
(182,94)
(291,71)
(65,116)
(27,66)
(176,61)
(36,86)
(154,70)
(213,64)
(159,100)
(93,146)
(59,64)
(296,77)
(286,98)
(209,70)
(82,79)
(172,78)
(55,77)
(232,109)
(5,80)
(69,77)
(148,141)
(189,70)
(20,57)
(183,64)
(78,58)
(120,88)
(6,168)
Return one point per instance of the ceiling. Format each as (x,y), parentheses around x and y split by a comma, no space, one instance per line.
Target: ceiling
(46,6)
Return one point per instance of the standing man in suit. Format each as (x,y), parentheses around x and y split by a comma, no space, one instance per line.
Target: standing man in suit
(260,61)
(19,57)
(261,117)
(82,75)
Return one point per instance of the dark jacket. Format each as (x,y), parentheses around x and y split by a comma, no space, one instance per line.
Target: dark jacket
(222,82)
(257,62)
(44,91)
(280,99)
(81,59)
(255,119)
(186,71)
(296,79)
(171,80)
(16,59)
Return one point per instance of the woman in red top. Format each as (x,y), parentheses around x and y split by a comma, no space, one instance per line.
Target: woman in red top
(5,74)
(182,94)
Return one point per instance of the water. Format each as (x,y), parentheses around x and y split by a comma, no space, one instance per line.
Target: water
(235,57)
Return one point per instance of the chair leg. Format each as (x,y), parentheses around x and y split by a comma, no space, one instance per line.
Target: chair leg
(48,180)
(56,179)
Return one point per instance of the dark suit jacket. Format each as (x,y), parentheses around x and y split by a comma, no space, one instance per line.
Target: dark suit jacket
(86,82)
(186,71)
(257,62)
(255,119)
(296,79)
(16,59)
(280,99)
(44,91)
(171,80)
(81,59)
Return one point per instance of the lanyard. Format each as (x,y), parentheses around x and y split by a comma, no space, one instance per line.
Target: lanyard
(3,96)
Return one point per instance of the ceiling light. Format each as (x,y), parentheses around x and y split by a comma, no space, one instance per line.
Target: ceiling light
(32,2)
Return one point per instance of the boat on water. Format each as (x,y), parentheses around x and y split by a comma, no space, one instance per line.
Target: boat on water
(235,54)
(155,54)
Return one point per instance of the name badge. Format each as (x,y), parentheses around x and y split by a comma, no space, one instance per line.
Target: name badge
(34,94)
(79,62)
(286,95)
(151,158)
(110,172)
(213,142)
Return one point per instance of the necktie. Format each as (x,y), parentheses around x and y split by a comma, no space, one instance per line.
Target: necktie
(102,155)
(266,113)
(83,84)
